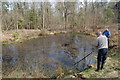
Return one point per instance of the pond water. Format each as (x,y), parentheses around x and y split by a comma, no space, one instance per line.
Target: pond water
(48,55)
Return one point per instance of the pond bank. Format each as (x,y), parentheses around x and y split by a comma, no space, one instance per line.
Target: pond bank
(23,35)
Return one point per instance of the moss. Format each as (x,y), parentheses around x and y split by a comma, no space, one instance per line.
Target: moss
(27,36)
(7,43)
(15,35)
(11,42)
(115,68)
(75,32)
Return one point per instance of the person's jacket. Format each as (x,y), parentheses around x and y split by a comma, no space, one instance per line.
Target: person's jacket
(107,33)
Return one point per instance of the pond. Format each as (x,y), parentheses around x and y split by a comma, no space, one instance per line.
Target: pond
(48,55)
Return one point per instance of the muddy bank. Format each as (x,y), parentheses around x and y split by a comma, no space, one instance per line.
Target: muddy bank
(19,35)
(22,35)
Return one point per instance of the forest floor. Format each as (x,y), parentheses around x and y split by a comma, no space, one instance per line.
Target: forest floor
(111,67)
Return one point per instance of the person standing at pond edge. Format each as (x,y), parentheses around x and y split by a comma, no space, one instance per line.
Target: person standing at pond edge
(107,34)
(102,45)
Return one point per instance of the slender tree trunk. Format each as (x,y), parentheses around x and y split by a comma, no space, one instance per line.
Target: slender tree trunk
(65,15)
(17,18)
(43,16)
(85,15)
(93,15)
(0,16)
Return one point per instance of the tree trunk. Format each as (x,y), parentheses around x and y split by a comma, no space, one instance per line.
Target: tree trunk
(65,15)
(43,15)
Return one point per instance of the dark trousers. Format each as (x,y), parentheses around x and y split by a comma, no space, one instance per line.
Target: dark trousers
(102,55)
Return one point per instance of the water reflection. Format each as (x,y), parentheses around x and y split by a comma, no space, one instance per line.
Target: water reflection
(46,55)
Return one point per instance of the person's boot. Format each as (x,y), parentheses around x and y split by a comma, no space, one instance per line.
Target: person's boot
(102,66)
(97,70)
(98,66)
